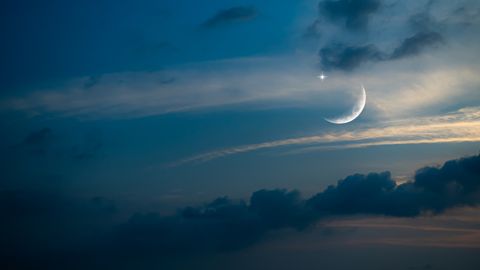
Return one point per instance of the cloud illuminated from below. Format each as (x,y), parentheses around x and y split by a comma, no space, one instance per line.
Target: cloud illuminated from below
(459,126)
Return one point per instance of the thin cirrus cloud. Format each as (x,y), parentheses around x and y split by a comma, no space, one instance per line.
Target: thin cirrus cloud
(460,126)
(393,88)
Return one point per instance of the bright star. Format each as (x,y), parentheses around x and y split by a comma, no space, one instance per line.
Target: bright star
(322,76)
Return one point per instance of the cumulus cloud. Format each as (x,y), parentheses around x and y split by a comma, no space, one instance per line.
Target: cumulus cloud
(225,224)
(229,15)
(434,189)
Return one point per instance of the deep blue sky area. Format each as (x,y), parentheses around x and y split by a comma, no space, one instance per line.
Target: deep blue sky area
(228,134)
(47,42)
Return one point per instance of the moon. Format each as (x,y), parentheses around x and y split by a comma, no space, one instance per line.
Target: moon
(356,111)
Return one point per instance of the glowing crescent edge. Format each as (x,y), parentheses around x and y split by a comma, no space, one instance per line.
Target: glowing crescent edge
(356,111)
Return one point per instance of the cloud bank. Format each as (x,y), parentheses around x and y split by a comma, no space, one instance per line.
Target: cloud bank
(223,224)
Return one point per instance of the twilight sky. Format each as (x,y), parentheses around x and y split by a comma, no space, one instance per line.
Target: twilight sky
(182,134)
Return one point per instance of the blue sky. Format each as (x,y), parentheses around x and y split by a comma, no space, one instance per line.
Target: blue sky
(153,106)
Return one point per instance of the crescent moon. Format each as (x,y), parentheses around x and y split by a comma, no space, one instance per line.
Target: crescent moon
(356,111)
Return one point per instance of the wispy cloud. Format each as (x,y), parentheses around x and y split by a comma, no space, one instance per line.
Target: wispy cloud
(393,90)
(459,126)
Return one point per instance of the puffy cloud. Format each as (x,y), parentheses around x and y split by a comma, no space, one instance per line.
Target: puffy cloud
(225,224)
(434,190)
(222,224)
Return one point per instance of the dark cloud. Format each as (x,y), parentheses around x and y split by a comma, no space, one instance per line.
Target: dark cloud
(220,225)
(231,15)
(339,56)
(355,15)
(352,14)
(356,194)
(343,57)
(223,224)
(416,44)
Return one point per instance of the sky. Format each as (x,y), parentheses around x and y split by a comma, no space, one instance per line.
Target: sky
(182,134)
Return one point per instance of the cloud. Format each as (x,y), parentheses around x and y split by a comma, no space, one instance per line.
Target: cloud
(343,57)
(395,86)
(353,15)
(196,86)
(339,56)
(459,126)
(422,25)
(416,44)
(81,229)
(221,225)
(434,190)
(240,13)
(224,224)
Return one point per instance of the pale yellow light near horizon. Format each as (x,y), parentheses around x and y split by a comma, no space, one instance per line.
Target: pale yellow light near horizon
(460,126)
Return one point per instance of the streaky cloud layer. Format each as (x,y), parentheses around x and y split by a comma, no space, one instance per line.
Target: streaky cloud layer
(460,126)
